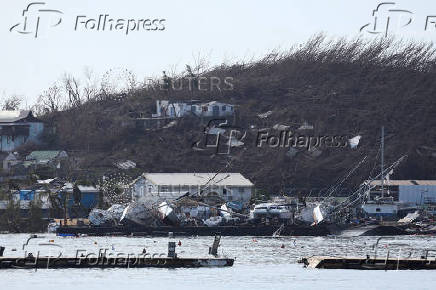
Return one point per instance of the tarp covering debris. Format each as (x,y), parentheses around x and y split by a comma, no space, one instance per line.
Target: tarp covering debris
(354,142)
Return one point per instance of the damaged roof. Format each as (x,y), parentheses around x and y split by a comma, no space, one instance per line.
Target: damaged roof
(14,116)
(46,155)
(225,179)
(404,182)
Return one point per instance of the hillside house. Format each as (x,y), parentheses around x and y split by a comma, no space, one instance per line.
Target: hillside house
(192,108)
(158,187)
(9,161)
(48,157)
(18,128)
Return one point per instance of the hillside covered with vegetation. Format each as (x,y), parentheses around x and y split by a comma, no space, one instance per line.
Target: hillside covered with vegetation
(341,88)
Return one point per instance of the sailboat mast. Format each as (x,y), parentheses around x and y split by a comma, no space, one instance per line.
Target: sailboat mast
(382,160)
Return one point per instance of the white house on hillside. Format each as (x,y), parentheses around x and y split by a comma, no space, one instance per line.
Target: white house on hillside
(157,187)
(18,128)
(176,110)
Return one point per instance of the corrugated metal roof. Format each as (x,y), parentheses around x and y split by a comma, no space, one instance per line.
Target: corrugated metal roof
(225,179)
(84,188)
(43,155)
(404,182)
(13,116)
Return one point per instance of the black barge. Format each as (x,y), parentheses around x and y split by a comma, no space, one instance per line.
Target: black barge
(367,263)
(115,260)
(111,262)
(248,230)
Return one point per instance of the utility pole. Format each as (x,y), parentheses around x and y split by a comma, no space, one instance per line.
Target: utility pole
(382,160)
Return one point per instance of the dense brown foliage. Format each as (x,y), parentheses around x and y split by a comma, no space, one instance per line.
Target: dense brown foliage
(345,87)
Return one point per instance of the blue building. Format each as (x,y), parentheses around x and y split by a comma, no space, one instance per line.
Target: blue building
(18,128)
(24,197)
(87,200)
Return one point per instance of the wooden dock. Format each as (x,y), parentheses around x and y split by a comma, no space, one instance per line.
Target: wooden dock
(367,263)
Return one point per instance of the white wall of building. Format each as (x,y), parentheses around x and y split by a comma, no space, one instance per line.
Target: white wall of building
(144,190)
(417,194)
(175,110)
(380,209)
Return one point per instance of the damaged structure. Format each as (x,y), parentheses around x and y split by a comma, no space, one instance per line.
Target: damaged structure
(400,197)
(158,187)
(192,108)
(167,112)
(18,128)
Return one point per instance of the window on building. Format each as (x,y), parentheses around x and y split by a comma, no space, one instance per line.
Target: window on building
(241,190)
(204,109)
(164,188)
(377,210)
(231,108)
(193,108)
(223,108)
(224,191)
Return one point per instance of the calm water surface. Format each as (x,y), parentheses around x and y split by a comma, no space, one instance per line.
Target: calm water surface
(261,263)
